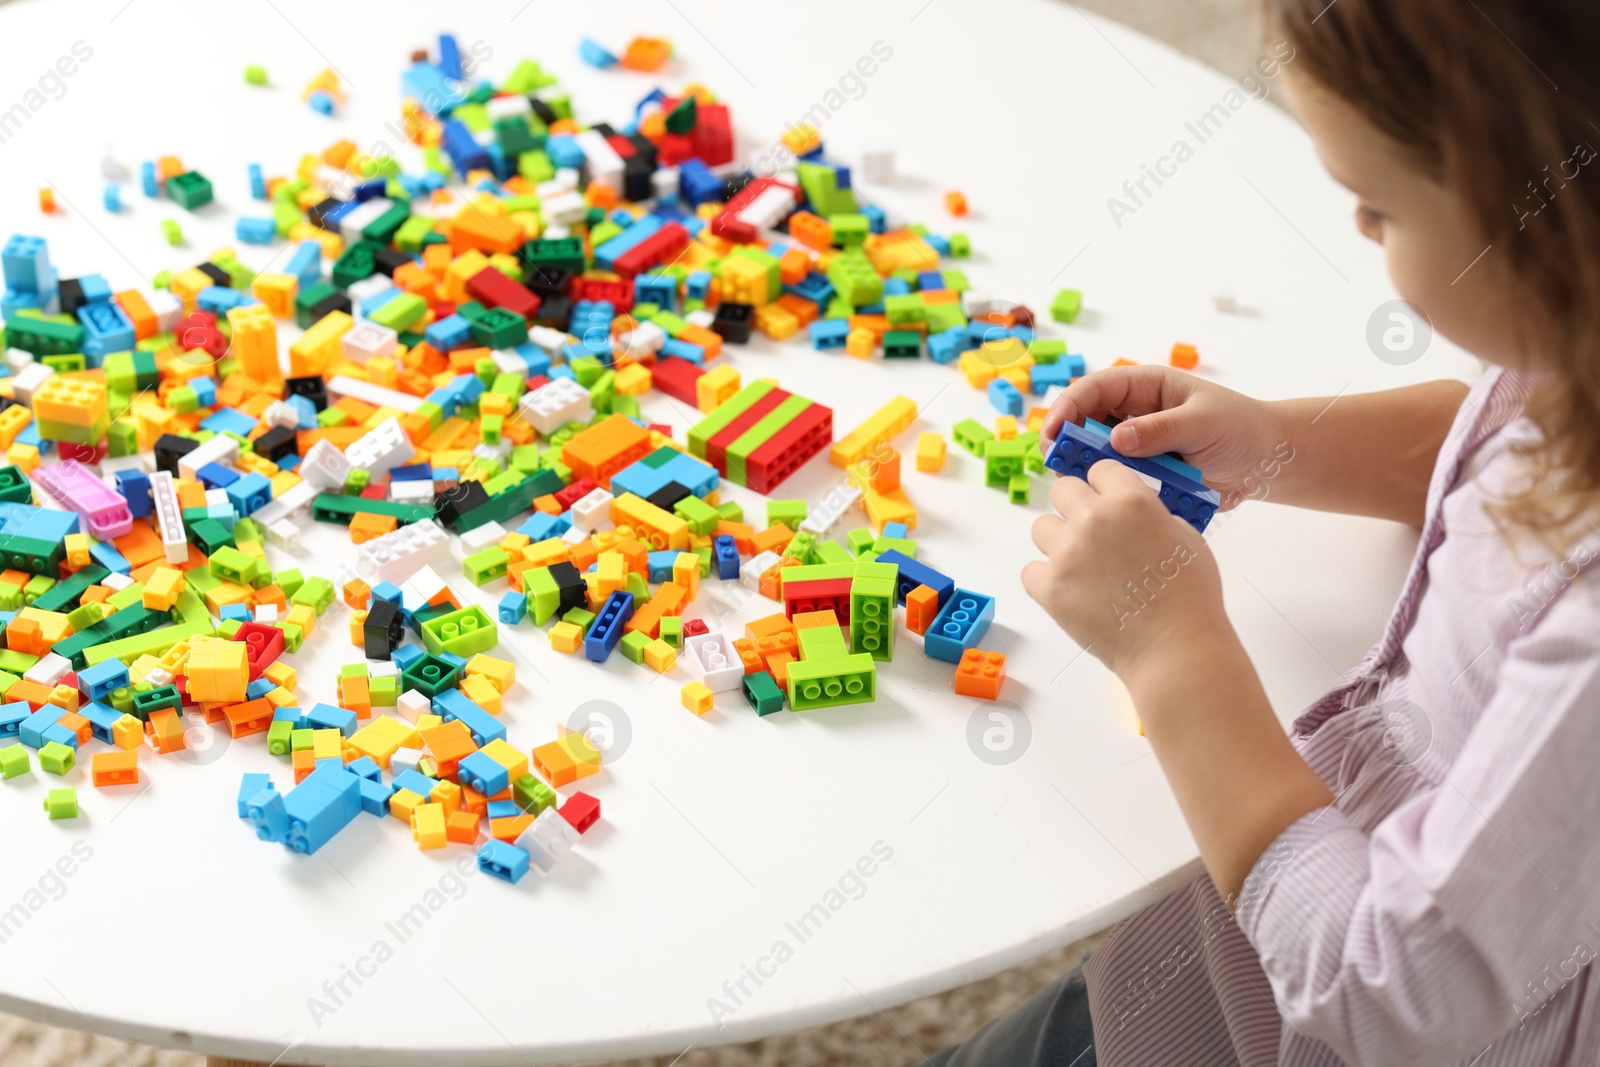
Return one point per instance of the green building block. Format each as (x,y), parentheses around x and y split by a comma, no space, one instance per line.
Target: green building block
(582,618)
(972,435)
(57,759)
(430,675)
(832,681)
(464,632)
(62,803)
(14,761)
(255,75)
(191,189)
(315,591)
(1019,488)
(232,565)
(486,565)
(358,261)
(1001,460)
(632,645)
(872,598)
(860,540)
(902,344)
(544,595)
(280,738)
(672,631)
(789,512)
(531,794)
(854,277)
(762,692)
(1066,305)
(401,313)
(702,518)
(1047,349)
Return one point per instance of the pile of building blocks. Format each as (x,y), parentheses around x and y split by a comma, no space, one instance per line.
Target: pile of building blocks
(463,389)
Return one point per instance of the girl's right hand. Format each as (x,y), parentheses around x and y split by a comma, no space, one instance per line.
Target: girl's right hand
(1234,439)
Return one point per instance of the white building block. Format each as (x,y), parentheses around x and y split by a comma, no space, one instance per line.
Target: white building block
(293,501)
(550,406)
(664,183)
(279,413)
(547,340)
(282,533)
(548,839)
(167,309)
(367,339)
(710,657)
(822,515)
(412,491)
(701,317)
(401,553)
(565,209)
(381,448)
(360,217)
(602,161)
(49,670)
(754,567)
(169,517)
(220,449)
(476,540)
(342,385)
(877,165)
(324,466)
(644,339)
(593,511)
(27,381)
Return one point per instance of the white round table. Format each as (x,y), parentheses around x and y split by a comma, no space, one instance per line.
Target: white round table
(722,897)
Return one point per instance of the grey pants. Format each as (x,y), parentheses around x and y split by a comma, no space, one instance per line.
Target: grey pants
(1051,1029)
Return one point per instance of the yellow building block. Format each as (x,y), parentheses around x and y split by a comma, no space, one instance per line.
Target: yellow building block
(427,826)
(127,733)
(482,692)
(686,573)
(715,386)
(318,346)
(566,637)
(277,292)
(281,674)
(77,546)
(70,399)
(697,697)
(186,285)
(162,588)
(462,268)
(632,380)
(218,672)
(327,744)
(889,420)
(661,529)
(508,756)
(660,656)
(860,343)
(501,672)
(254,336)
(566,759)
(382,738)
(1005,427)
(930,452)
(403,803)
(776,321)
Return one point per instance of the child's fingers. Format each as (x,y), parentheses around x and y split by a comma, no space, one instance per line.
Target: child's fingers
(1050,534)
(1069,494)
(1155,433)
(1138,390)
(1108,476)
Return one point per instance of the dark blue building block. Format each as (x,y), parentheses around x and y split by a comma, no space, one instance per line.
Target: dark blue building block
(606,630)
(135,489)
(725,554)
(912,574)
(465,152)
(960,624)
(1077,448)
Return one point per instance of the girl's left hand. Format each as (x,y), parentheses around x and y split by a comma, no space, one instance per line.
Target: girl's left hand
(1121,575)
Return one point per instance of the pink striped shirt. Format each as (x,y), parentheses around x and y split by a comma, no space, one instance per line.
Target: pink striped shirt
(1445,908)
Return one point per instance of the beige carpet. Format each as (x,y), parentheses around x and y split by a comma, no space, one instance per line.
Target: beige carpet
(1222,33)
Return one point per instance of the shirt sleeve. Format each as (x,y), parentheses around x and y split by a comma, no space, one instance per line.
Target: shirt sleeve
(1429,938)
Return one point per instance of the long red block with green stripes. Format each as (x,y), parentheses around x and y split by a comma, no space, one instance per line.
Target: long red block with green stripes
(761,435)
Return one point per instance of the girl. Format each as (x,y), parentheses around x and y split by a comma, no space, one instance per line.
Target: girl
(1413,875)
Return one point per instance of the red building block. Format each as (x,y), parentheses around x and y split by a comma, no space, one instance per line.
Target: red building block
(581,810)
(263,644)
(824,594)
(492,289)
(785,451)
(676,378)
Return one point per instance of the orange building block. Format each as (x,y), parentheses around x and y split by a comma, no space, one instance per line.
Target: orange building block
(165,728)
(1185,357)
(647,53)
(605,448)
(955,202)
(366,525)
(980,674)
(115,768)
(566,759)
(922,604)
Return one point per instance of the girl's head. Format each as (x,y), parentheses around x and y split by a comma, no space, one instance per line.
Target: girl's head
(1470,131)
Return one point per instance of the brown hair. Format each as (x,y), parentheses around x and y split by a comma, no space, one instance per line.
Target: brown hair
(1499,99)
